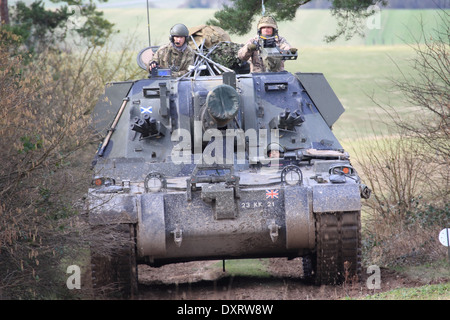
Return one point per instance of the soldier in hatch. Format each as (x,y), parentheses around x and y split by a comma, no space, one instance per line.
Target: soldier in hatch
(267,28)
(176,55)
(275,150)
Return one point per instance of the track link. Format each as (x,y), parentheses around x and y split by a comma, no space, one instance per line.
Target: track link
(338,244)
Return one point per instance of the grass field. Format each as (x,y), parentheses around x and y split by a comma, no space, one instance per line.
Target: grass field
(356,74)
(308,28)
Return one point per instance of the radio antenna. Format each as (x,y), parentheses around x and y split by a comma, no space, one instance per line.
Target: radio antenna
(148,25)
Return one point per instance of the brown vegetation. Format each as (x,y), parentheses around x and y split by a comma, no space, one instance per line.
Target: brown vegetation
(45,104)
(409,174)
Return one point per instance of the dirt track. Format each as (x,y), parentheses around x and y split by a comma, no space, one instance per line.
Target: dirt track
(204,281)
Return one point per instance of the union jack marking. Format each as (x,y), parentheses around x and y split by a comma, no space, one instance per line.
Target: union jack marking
(271,194)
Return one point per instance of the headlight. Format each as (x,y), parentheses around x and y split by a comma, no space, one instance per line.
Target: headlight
(106,185)
(339,173)
(103,182)
(342,170)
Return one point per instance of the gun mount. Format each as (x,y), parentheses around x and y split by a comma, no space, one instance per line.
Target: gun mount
(271,54)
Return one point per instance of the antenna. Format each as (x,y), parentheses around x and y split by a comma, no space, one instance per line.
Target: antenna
(148,25)
(263,8)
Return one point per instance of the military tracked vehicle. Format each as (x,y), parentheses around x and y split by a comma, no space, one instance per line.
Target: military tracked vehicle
(223,164)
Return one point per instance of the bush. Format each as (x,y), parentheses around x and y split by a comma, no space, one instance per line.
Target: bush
(408,171)
(47,144)
(406,208)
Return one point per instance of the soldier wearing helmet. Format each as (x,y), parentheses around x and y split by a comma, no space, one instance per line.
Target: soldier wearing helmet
(267,27)
(176,55)
(275,150)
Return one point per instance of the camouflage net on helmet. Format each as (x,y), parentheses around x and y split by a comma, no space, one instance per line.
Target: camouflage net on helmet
(225,53)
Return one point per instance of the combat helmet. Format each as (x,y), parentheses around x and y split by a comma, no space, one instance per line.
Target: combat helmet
(179,30)
(275,146)
(267,21)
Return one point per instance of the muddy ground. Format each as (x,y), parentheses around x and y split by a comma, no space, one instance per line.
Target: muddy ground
(205,280)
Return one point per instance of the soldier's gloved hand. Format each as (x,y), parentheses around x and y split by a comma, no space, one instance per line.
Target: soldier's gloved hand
(252,47)
(293,50)
(152,65)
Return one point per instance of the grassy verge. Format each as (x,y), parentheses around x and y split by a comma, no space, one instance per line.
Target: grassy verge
(428,272)
(436,274)
(426,292)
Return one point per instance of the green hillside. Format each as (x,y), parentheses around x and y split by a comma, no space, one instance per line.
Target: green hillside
(115,3)
(308,29)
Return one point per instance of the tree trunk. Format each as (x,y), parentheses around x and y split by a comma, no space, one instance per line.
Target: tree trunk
(4,15)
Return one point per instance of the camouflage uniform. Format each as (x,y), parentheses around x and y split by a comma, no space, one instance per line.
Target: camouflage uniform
(176,59)
(256,62)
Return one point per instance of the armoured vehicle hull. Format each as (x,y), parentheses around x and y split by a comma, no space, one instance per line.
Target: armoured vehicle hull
(188,174)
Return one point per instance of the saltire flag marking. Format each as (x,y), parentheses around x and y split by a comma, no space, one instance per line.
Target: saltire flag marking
(146,109)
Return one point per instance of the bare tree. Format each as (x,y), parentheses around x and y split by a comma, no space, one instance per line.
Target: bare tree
(4,15)
(409,171)
(427,90)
